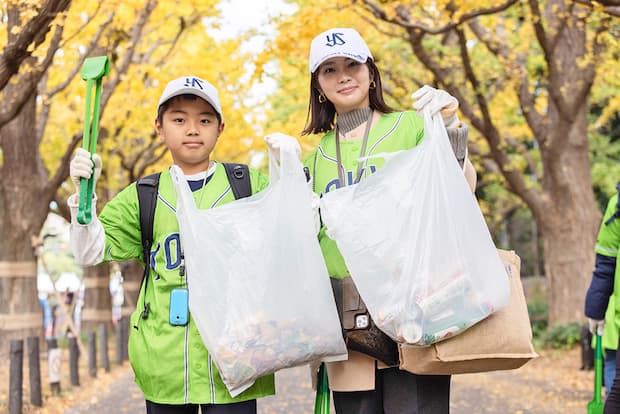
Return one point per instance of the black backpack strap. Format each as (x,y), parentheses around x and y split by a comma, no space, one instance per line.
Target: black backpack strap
(147,200)
(239,179)
(617,212)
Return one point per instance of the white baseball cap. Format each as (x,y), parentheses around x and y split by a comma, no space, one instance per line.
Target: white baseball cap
(338,43)
(192,85)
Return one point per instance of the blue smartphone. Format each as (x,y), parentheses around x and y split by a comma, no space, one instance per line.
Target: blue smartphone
(179,309)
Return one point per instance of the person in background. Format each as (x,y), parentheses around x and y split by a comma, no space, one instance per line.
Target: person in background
(605,282)
(44,301)
(118,296)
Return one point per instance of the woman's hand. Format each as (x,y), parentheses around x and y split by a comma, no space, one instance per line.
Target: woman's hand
(434,100)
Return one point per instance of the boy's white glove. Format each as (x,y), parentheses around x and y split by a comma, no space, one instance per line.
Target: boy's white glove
(597,327)
(274,142)
(434,100)
(81,166)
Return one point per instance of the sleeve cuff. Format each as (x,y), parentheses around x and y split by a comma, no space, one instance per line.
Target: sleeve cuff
(73,202)
(458,142)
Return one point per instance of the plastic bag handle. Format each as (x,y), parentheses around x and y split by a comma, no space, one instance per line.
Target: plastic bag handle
(184,193)
(288,161)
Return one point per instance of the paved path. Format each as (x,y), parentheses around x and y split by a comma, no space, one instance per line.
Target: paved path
(508,392)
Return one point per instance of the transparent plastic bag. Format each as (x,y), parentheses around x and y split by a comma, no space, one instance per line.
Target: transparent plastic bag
(416,244)
(259,291)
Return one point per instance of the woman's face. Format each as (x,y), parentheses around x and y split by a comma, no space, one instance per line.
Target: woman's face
(345,82)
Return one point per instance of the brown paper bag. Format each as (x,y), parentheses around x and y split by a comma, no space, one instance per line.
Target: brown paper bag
(501,341)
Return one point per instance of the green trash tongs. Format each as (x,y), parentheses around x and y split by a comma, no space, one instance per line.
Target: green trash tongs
(93,70)
(596,406)
(322,401)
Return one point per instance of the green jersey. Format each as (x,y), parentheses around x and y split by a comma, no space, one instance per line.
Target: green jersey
(608,244)
(393,132)
(170,363)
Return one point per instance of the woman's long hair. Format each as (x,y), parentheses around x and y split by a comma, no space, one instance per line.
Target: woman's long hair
(320,118)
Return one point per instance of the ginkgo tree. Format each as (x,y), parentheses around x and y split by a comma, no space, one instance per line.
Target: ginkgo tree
(524,73)
(45,43)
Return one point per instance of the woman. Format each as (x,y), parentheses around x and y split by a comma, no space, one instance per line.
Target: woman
(347,106)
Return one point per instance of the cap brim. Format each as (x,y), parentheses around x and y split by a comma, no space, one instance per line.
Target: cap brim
(359,58)
(190,91)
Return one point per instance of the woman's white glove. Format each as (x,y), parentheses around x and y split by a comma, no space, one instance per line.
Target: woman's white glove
(434,100)
(82,166)
(274,142)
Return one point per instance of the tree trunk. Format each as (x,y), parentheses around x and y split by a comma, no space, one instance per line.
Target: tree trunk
(569,218)
(22,213)
(97,299)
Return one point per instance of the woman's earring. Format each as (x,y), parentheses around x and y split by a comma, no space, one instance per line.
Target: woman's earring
(373,84)
(322,98)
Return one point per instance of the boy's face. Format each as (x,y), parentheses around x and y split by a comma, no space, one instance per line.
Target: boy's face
(190,129)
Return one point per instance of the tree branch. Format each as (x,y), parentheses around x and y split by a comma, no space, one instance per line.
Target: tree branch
(62,172)
(134,39)
(378,12)
(90,18)
(34,31)
(47,96)
(15,96)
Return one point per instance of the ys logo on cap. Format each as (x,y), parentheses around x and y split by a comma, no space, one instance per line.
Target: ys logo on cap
(335,39)
(194,83)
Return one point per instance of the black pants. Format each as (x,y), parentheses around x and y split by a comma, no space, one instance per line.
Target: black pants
(612,401)
(398,392)
(245,407)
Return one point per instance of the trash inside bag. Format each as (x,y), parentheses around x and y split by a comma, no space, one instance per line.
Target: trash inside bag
(416,244)
(259,291)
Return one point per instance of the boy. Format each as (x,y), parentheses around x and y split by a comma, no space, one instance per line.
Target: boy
(170,362)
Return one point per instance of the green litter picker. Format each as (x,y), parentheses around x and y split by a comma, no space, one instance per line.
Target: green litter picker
(93,70)
(596,406)
(322,401)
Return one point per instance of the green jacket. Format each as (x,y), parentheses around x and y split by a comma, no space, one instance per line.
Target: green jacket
(608,244)
(170,363)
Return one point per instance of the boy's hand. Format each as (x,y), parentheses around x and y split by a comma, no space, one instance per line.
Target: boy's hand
(81,166)
(275,140)
(434,100)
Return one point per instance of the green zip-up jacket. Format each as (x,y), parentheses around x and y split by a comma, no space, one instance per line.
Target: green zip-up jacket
(170,363)
(608,244)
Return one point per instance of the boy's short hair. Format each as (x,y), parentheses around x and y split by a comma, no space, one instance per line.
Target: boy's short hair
(191,85)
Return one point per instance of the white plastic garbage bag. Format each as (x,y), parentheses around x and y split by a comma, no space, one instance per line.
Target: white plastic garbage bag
(259,291)
(416,244)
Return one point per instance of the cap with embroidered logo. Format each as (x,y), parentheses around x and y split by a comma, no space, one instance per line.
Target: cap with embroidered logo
(339,42)
(192,85)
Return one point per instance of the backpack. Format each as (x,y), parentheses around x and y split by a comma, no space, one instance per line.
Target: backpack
(617,213)
(239,179)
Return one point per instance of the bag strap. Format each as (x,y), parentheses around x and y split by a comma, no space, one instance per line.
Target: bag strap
(147,201)
(617,213)
(239,179)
